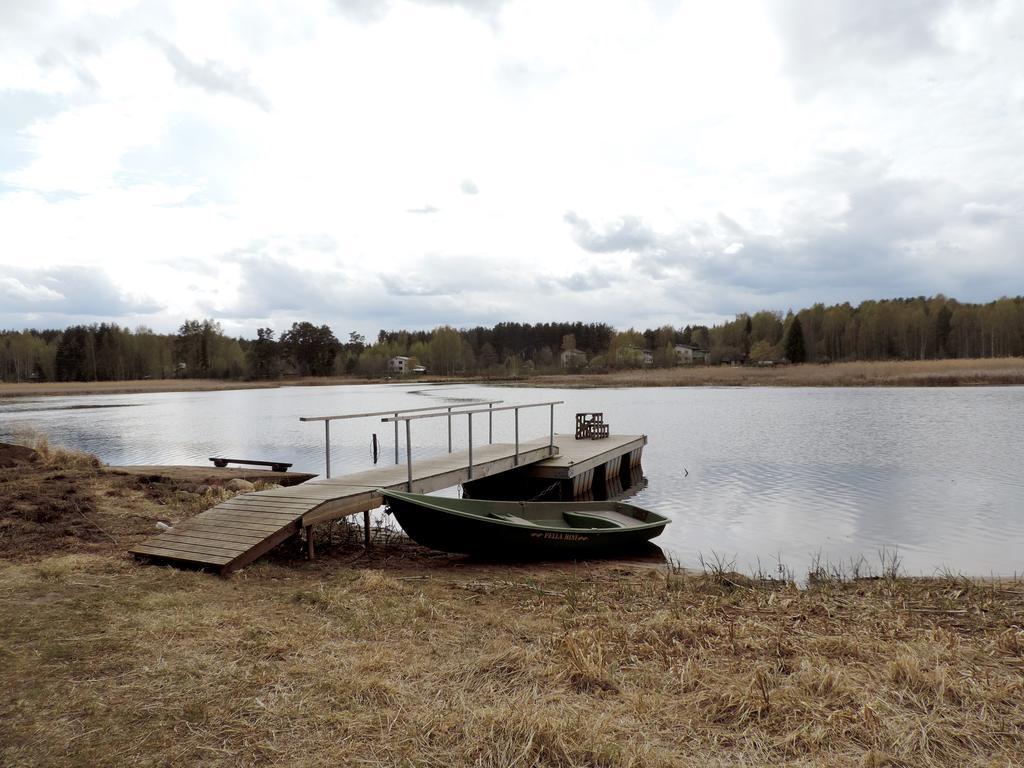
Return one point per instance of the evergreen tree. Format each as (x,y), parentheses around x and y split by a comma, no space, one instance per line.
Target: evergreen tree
(794,344)
(311,348)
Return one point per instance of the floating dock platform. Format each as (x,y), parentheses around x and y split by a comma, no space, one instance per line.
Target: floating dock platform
(238,531)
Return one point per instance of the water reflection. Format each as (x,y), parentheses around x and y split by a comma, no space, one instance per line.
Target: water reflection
(753,474)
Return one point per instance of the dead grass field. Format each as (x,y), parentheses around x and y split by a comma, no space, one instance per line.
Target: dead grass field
(1004,371)
(395,657)
(63,388)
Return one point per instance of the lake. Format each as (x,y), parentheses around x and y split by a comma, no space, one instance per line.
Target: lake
(756,476)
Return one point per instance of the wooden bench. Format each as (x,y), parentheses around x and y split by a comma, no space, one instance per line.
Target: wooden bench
(275,466)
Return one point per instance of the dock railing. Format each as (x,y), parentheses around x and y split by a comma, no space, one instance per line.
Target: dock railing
(444,410)
(490,410)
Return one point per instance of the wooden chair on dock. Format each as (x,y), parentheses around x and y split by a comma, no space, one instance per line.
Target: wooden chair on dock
(591,426)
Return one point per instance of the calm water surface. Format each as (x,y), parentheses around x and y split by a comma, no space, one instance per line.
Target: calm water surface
(755,475)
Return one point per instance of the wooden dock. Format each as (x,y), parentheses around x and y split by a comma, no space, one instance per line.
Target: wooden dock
(238,531)
(583,461)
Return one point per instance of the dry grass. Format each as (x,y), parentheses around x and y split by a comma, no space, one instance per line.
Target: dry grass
(107,662)
(64,388)
(917,373)
(392,657)
(1002,371)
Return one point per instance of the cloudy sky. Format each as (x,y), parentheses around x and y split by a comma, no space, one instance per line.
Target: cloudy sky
(418,162)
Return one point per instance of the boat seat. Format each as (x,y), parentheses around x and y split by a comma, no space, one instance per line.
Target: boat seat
(511,518)
(591,520)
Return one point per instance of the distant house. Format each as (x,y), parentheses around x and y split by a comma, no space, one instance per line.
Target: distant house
(630,355)
(399,364)
(733,358)
(689,354)
(573,358)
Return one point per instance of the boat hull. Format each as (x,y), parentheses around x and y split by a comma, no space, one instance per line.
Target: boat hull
(467,533)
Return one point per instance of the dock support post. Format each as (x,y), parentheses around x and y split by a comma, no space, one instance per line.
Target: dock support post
(327,445)
(551,433)
(515,459)
(408,453)
(449,429)
(396,438)
(471,446)
(366,528)
(309,542)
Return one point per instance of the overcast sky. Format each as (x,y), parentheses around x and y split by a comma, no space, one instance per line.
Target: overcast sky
(418,162)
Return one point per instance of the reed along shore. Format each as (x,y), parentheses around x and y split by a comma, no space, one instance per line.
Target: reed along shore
(1003,371)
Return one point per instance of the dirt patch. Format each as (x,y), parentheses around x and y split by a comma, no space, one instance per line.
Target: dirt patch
(16,455)
(55,501)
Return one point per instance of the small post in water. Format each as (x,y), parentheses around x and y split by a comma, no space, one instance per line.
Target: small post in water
(449,429)
(396,438)
(374,447)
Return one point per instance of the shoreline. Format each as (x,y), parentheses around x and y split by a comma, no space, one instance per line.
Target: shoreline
(917,373)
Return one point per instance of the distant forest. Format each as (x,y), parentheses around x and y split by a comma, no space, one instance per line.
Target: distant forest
(894,329)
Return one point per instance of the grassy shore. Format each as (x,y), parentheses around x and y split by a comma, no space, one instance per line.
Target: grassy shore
(912,373)
(397,656)
(915,373)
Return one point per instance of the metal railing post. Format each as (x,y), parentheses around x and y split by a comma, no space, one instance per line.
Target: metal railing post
(515,461)
(327,446)
(471,446)
(551,434)
(490,424)
(408,453)
(396,438)
(450,429)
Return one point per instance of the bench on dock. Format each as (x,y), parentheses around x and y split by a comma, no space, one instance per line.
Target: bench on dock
(591,426)
(275,466)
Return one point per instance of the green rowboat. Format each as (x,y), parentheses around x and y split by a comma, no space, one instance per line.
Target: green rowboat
(522,528)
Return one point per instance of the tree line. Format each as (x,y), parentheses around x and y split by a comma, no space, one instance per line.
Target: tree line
(892,329)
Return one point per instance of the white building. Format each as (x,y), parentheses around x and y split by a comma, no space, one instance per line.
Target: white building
(399,364)
(688,354)
(573,358)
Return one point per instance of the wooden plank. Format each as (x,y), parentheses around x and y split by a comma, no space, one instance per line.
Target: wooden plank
(214,539)
(255,511)
(260,509)
(342,508)
(255,528)
(231,523)
(266,518)
(168,539)
(257,499)
(577,456)
(186,548)
(226,530)
(282,509)
(259,550)
(173,554)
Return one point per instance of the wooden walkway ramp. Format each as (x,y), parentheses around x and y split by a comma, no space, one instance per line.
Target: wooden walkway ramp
(238,531)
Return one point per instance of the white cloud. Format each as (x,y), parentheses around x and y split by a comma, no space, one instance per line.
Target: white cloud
(640,163)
